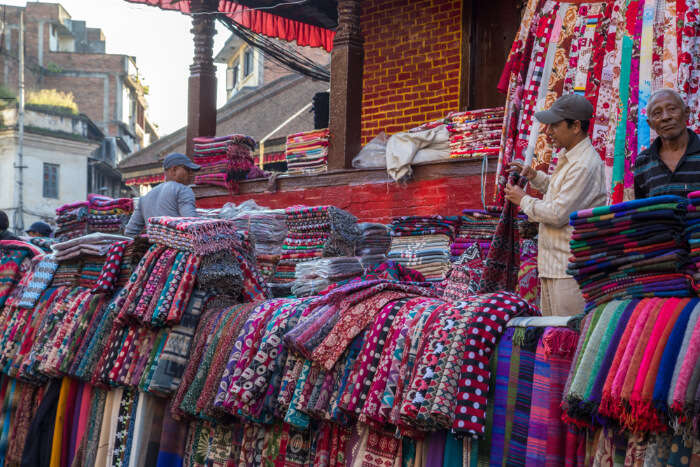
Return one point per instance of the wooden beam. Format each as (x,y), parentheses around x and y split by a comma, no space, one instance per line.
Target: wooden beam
(347,60)
(201,98)
(283,183)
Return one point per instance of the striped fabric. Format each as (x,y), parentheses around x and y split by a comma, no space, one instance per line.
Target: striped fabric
(521,418)
(539,409)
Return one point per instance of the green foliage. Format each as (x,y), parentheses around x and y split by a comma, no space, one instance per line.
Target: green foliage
(7,93)
(52,99)
(53,68)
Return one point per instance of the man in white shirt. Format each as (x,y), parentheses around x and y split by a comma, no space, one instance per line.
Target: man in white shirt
(578,182)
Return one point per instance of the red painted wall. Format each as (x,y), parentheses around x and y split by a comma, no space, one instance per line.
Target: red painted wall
(378,202)
(412,62)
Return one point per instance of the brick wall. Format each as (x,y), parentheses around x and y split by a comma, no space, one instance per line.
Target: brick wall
(377,202)
(412,63)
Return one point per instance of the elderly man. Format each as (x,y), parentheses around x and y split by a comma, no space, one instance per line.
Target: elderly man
(671,165)
(172,198)
(578,182)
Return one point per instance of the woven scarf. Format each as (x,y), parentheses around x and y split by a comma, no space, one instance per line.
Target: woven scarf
(517,449)
(644,418)
(539,408)
(503,259)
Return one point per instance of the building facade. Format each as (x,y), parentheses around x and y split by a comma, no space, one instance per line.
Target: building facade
(58,150)
(62,53)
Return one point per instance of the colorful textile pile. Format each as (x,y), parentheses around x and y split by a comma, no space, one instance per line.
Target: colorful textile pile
(108,215)
(15,261)
(307,152)
(315,276)
(224,160)
(632,249)
(373,244)
(475,133)
(145,180)
(312,233)
(423,243)
(692,235)
(381,351)
(476,227)
(267,229)
(71,221)
(529,371)
(79,424)
(200,236)
(638,365)
(95,244)
(615,54)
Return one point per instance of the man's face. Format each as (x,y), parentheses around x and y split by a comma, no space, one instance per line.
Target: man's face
(562,134)
(181,174)
(33,234)
(667,116)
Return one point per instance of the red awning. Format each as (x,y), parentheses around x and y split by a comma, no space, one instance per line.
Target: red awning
(261,22)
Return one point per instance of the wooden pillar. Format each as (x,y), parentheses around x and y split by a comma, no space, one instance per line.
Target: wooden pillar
(201,95)
(347,60)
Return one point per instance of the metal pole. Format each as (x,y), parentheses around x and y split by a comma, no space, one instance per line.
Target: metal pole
(19,212)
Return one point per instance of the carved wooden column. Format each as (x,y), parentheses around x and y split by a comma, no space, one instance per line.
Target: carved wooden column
(347,60)
(201,98)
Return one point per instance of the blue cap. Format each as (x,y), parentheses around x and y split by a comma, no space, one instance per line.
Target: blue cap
(42,228)
(175,159)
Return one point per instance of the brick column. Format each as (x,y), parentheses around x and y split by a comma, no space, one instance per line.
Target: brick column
(346,86)
(201,98)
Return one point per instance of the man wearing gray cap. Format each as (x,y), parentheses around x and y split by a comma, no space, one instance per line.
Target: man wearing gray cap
(578,182)
(172,198)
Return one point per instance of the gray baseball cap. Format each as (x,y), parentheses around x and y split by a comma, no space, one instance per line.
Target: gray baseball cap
(569,106)
(176,158)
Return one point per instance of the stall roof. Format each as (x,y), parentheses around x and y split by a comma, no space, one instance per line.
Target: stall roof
(308,24)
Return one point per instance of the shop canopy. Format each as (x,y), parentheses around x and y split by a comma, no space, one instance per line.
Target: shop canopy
(311,23)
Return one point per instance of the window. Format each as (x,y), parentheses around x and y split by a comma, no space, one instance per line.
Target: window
(247,62)
(232,76)
(50,180)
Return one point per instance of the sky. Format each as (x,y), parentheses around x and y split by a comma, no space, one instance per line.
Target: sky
(162,44)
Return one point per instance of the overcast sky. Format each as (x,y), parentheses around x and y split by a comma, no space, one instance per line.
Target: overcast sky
(162,44)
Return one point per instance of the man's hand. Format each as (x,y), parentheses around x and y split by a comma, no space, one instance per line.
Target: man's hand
(527,172)
(514,194)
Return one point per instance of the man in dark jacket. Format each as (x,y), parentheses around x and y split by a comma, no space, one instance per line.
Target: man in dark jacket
(4,225)
(671,165)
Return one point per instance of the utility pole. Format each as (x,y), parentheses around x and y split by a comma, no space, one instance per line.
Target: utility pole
(19,212)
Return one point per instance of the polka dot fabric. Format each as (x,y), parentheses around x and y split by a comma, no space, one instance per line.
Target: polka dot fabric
(491,312)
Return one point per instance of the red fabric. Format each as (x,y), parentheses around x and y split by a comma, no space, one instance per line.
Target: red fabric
(261,22)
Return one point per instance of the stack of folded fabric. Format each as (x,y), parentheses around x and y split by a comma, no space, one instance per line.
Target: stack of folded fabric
(692,235)
(315,276)
(66,274)
(476,227)
(108,215)
(307,152)
(632,249)
(373,244)
(312,233)
(475,133)
(423,244)
(71,220)
(267,230)
(224,159)
(97,244)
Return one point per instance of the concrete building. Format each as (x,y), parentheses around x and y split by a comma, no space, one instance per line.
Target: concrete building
(62,53)
(58,149)
(248,69)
